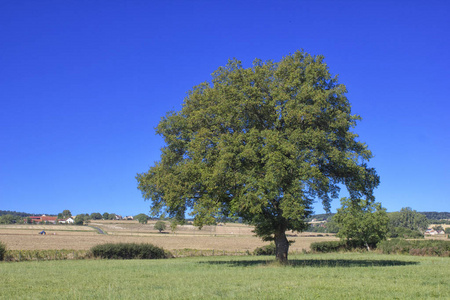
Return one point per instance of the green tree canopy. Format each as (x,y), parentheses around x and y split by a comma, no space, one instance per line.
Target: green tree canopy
(81,219)
(96,216)
(108,216)
(65,214)
(408,218)
(260,143)
(160,226)
(362,222)
(142,218)
(10,219)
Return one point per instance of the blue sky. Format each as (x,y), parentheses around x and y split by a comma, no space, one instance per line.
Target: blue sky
(84,83)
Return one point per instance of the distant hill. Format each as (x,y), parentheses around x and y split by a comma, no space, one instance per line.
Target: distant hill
(16,213)
(320,217)
(433,215)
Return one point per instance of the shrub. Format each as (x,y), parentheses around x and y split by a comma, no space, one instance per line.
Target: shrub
(160,226)
(2,251)
(399,246)
(336,246)
(402,232)
(423,248)
(129,251)
(265,250)
(330,246)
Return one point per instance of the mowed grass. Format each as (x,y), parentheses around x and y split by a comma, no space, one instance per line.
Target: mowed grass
(311,276)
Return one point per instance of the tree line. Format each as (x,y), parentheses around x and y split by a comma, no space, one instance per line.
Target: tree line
(406,223)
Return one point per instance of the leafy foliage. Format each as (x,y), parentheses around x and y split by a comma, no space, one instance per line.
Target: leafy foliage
(434,215)
(414,247)
(95,216)
(81,219)
(402,232)
(438,228)
(10,219)
(2,251)
(330,246)
(15,213)
(108,216)
(362,222)
(265,250)
(160,226)
(408,218)
(261,144)
(64,214)
(129,251)
(142,218)
(439,221)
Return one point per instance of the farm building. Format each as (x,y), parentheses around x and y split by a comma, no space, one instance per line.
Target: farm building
(43,218)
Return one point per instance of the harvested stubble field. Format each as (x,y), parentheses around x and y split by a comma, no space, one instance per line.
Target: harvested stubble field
(227,237)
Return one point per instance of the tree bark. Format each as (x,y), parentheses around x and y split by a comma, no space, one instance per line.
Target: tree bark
(282,247)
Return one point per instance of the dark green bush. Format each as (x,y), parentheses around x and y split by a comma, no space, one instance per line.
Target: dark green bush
(402,232)
(265,250)
(336,246)
(330,246)
(423,248)
(2,251)
(129,251)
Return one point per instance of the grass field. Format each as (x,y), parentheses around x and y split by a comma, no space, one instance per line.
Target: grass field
(326,276)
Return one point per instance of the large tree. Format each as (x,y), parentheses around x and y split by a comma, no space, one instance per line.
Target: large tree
(260,143)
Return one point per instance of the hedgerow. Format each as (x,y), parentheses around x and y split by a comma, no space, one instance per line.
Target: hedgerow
(422,248)
(129,251)
(336,246)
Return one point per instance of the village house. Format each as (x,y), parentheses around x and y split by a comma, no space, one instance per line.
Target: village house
(431,231)
(69,220)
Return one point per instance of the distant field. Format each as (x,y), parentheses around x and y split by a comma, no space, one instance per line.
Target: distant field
(228,237)
(326,276)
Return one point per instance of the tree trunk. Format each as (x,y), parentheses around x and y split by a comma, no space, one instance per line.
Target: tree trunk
(282,247)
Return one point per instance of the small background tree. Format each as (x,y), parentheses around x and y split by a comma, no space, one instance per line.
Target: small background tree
(407,223)
(160,226)
(362,223)
(81,219)
(96,216)
(142,218)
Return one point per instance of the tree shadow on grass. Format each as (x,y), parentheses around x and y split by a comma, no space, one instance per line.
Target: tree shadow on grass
(316,263)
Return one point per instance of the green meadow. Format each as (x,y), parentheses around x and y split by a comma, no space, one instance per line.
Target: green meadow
(310,276)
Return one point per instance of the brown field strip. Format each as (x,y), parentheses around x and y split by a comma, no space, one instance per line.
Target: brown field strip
(229,238)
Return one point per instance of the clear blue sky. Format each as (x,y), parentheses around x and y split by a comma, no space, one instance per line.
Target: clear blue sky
(84,83)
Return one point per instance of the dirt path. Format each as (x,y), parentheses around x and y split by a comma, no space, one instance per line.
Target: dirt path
(98,229)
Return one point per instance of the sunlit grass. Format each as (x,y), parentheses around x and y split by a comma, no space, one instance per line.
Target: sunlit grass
(326,276)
